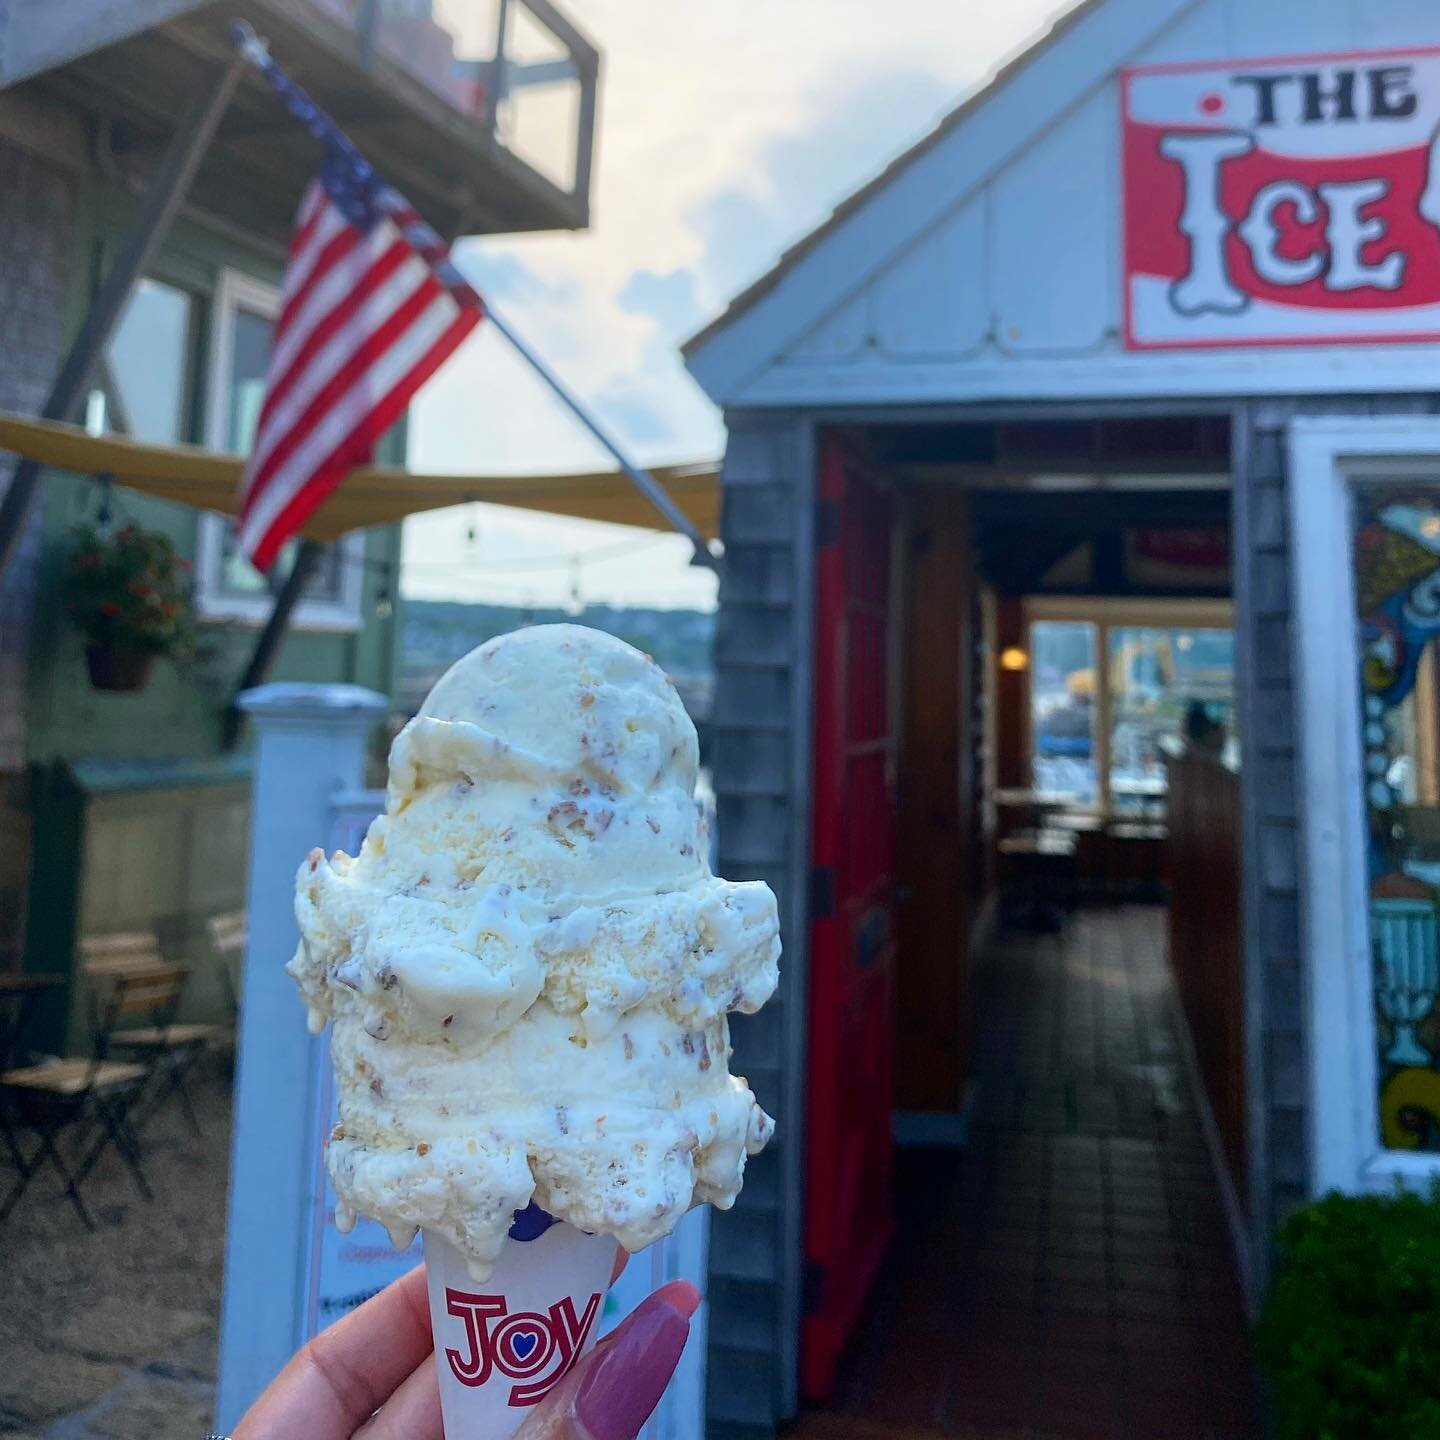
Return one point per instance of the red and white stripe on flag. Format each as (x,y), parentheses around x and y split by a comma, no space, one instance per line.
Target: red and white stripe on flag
(369,312)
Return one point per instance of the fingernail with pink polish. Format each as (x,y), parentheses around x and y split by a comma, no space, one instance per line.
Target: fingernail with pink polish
(629,1377)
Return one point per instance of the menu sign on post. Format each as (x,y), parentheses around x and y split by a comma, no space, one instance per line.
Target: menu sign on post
(1283,201)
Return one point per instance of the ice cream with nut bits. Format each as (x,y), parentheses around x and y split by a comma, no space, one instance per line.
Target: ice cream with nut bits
(529,964)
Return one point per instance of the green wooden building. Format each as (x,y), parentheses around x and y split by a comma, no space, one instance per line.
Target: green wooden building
(125,811)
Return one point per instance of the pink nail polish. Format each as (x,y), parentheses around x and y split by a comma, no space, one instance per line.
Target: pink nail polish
(628,1378)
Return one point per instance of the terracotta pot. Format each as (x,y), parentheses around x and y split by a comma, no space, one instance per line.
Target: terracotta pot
(119,667)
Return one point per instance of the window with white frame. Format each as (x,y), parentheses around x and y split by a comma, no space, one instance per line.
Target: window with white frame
(1365,525)
(1397,591)
(227,586)
(145,380)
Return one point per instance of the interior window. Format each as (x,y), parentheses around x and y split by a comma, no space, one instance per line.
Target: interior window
(1164,684)
(1397,583)
(250,333)
(230,586)
(145,379)
(1062,709)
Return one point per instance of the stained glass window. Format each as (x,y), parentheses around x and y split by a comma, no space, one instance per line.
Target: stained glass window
(1397,571)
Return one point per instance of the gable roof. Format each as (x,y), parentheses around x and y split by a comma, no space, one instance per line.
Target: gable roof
(793,254)
(1121,27)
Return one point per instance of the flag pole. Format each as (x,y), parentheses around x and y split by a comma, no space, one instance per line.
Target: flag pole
(643,481)
(325,128)
(267,646)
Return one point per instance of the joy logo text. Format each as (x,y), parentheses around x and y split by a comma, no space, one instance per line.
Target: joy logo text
(527,1347)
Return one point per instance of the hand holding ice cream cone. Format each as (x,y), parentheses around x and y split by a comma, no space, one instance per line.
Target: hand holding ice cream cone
(529,968)
(371,1375)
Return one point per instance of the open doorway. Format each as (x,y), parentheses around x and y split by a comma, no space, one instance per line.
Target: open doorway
(1025,1120)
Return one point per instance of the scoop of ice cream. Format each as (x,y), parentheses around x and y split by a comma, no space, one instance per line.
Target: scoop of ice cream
(529,964)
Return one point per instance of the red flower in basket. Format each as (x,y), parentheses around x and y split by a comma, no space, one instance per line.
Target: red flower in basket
(128,594)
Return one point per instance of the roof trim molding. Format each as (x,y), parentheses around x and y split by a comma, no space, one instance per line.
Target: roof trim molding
(39,35)
(1080,51)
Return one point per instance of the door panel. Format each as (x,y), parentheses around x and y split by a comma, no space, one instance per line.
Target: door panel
(937,849)
(852,941)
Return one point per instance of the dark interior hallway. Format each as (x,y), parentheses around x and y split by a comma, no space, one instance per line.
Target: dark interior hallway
(1069,1275)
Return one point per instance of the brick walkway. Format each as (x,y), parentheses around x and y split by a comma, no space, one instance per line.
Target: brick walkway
(1068,1276)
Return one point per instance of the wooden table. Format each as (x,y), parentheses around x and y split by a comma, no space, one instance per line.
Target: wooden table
(1027,809)
(1018,798)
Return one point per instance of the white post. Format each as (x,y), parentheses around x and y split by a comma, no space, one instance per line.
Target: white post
(310,745)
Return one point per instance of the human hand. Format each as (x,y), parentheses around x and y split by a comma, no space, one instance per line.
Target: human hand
(371,1376)
(609,1395)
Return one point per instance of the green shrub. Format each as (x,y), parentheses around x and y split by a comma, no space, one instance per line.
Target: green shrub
(1350,1333)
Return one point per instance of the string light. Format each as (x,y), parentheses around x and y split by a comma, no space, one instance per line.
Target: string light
(110,506)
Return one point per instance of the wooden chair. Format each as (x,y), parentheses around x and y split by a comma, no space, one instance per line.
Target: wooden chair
(104,956)
(154,1035)
(13,1006)
(12,928)
(62,1095)
(227,934)
(19,990)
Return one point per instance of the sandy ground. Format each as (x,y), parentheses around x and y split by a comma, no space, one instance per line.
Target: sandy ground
(113,1332)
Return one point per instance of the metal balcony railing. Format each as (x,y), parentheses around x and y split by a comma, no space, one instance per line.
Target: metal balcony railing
(518,68)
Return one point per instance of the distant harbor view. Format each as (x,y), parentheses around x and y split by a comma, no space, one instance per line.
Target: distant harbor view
(436,633)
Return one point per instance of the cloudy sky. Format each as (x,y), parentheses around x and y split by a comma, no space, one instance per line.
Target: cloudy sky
(727,129)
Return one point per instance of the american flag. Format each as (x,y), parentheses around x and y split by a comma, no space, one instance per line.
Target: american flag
(371,307)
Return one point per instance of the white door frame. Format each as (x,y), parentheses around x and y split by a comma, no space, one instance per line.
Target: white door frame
(1326,455)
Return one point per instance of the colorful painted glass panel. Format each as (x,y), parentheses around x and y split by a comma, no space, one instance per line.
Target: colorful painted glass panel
(1397,574)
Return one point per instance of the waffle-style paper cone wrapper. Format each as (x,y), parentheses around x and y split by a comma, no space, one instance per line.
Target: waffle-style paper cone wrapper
(502,1346)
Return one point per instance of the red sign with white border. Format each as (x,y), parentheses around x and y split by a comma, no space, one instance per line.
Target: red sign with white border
(1286,201)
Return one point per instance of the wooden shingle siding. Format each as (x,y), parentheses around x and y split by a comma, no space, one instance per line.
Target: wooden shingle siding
(740,1399)
(760,572)
(759,745)
(752,1306)
(748,759)
(755,635)
(749,699)
(1271,928)
(38,234)
(1280,1099)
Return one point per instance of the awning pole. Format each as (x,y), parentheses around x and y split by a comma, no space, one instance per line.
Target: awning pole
(163,197)
(646,483)
(267,647)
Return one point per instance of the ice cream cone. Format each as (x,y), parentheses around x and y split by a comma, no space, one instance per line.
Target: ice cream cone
(503,1344)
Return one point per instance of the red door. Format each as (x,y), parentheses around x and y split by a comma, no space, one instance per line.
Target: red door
(848,1217)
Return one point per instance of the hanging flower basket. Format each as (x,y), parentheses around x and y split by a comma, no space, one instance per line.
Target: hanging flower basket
(128,594)
(118,667)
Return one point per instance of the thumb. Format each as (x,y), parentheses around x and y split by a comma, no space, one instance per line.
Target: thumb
(609,1395)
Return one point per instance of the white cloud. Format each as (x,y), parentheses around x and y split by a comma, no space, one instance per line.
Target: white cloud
(726,130)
